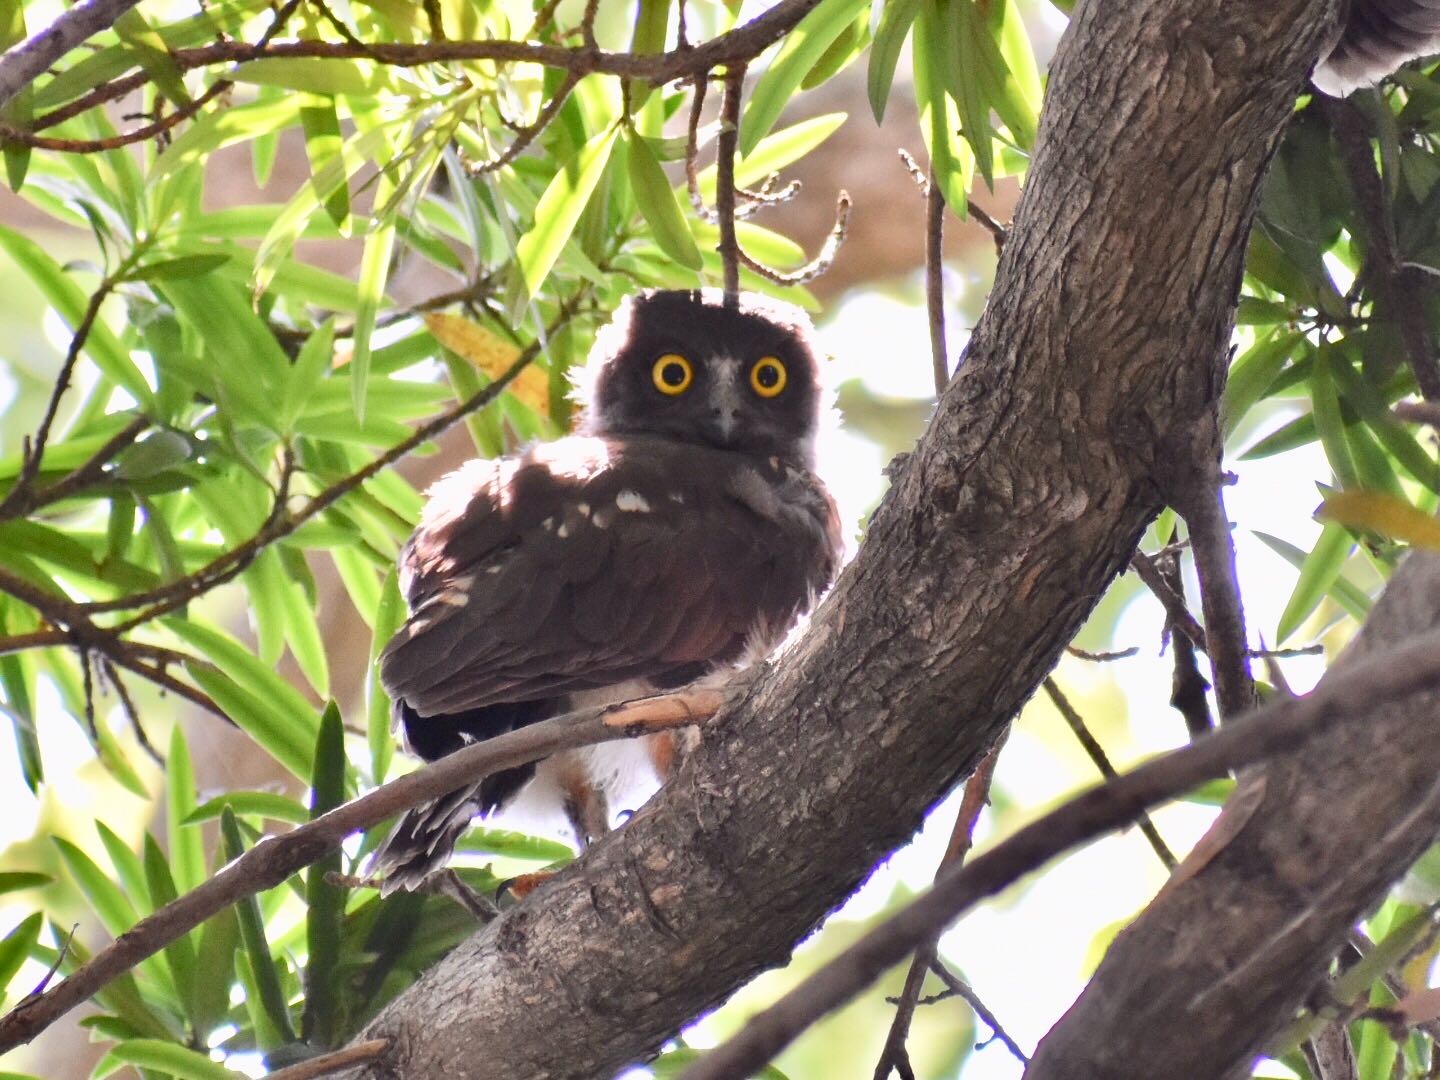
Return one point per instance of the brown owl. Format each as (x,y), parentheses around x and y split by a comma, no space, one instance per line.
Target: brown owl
(681,529)
(1377,37)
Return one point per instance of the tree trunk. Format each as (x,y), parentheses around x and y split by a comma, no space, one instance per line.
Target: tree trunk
(1088,391)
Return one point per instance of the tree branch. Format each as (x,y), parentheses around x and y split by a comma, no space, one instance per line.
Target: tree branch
(1027,494)
(1348,699)
(26,62)
(271,862)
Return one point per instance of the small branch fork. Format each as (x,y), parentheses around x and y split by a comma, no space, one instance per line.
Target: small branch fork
(926,959)
(1277,727)
(272,861)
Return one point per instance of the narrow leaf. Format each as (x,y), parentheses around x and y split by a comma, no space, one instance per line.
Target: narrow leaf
(560,208)
(252,934)
(658,205)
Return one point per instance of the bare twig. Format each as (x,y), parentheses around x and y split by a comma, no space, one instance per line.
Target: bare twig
(1103,657)
(816,266)
(977,795)
(1175,609)
(114,142)
(361,1053)
(1383,676)
(28,500)
(998,231)
(935,283)
(959,987)
(1097,755)
(34,450)
(526,135)
(1189,689)
(725,180)
(132,714)
(271,862)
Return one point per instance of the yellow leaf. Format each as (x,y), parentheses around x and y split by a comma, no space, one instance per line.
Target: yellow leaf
(1384,514)
(491,355)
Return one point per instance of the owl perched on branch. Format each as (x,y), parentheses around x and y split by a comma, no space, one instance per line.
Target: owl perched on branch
(1377,37)
(681,530)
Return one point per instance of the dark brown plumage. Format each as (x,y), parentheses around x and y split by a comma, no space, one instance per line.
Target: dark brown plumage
(681,530)
(1379,36)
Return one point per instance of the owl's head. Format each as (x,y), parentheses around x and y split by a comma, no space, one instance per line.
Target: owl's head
(682,365)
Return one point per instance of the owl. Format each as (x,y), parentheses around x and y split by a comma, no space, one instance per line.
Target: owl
(680,530)
(1377,37)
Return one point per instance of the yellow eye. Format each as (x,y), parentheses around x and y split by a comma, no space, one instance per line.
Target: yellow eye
(767,377)
(672,374)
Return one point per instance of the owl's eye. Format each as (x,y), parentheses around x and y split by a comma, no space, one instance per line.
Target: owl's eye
(672,374)
(767,377)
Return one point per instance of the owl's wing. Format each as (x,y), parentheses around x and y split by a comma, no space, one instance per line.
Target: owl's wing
(591,562)
(1379,36)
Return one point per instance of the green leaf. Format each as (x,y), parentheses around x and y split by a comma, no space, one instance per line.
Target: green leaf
(169,1058)
(325,902)
(265,804)
(283,741)
(187,846)
(322,146)
(951,161)
(374,269)
(19,110)
(657,203)
(560,208)
(1317,575)
(106,900)
(389,615)
(1371,407)
(800,52)
(152,56)
(252,934)
(15,880)
(286,721)
(181,266)
(1328,421)
(102,346)
(15,949)
(1252,374)
(319,75)
(219,940)
(674,1064)
(180,953)
(224,127)
(894,28)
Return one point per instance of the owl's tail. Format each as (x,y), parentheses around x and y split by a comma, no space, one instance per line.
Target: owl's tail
(423,840)
(1378,36)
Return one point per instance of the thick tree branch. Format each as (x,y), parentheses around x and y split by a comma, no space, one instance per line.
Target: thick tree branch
(269,863)
(26,62)
(1026,496)
(1342,703)
(1336,823)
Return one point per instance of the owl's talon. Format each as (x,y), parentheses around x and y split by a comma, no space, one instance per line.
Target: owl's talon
(522,885)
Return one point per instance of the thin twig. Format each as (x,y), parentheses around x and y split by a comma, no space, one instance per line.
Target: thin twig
(725,180)
(1175,609)
(1356,690)
(976,797)
(91,470)
(1189,689)
(1101,760)
(935,283)
(269,863)
(11,133)
(816,266)
(998,231)
(958,986)
(526,135)
(34,451)
(132,714)
(361,1053)
(1103,657)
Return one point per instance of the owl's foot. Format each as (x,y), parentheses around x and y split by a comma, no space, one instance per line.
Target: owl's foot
(523,885)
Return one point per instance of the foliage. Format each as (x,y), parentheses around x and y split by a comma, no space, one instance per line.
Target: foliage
(226,414)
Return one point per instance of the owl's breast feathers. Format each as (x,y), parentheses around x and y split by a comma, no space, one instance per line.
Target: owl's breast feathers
(587,562)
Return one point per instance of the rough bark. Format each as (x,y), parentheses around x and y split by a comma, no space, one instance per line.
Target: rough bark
(1223,958)
(1089,383)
